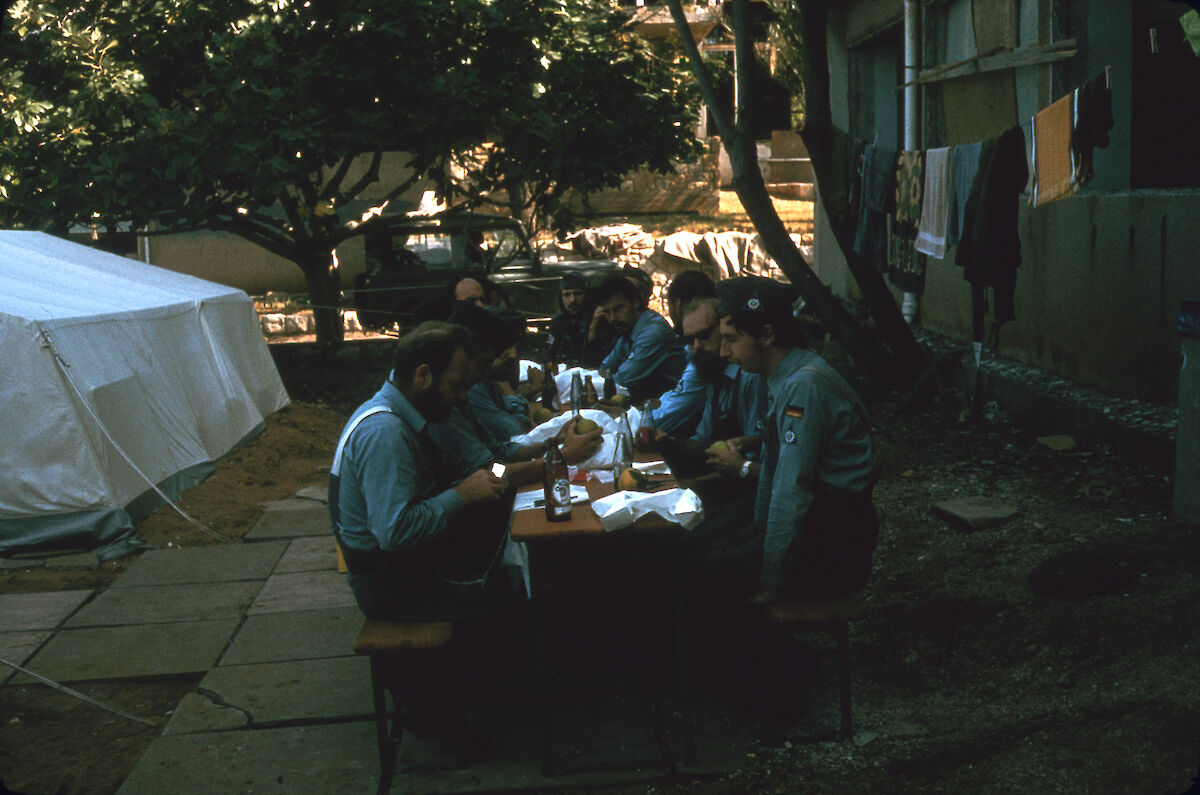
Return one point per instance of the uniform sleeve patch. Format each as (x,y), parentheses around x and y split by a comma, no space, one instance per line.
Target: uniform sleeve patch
(796,412)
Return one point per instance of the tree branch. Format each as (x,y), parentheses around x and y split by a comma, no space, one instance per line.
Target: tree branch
(699,71)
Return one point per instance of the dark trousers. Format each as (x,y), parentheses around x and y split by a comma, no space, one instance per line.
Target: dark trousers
(831,554)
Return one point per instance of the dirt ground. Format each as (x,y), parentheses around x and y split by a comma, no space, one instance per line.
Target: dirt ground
(965,679)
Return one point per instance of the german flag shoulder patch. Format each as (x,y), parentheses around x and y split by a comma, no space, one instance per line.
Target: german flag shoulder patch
(796,412)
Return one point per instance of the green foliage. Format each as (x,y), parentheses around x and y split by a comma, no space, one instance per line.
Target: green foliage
(245,115)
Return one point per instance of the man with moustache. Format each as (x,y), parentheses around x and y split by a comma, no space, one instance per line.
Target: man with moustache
(648,356)
(568,331)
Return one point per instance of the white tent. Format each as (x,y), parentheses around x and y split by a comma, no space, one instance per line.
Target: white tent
(117,379)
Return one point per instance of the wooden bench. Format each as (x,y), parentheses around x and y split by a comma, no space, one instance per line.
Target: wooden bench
(833,616)
(382,641)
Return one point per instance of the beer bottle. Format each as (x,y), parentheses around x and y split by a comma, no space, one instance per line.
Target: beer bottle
(556,484)
(610,387)
(589,392)
(549,388)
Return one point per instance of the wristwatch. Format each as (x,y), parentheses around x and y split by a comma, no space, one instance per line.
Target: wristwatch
(745,471)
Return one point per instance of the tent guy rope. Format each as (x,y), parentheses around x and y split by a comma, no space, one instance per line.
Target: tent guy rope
(75,693)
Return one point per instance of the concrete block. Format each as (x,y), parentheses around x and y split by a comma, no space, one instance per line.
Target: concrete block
(975,513)
(288,504)
(308,590)
(22,611)
(121,652)
(158,604)
(312,520)
(318,493)
(21,564)
(199,713)
(297,690)
(337,759)
(298,635)
(225,563)
(81,560)
(17,647)
(316,553)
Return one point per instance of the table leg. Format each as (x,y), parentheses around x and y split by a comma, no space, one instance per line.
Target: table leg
(681,647)
(538,585)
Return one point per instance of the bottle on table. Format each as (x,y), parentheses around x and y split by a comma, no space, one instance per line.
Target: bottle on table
(549,388)
(576,394)
(589,392)
(622,454)
(556,484)
(646,424)
(610,387)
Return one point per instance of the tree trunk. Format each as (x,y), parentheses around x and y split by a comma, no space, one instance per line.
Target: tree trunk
(324,282)
(865,348)
(820,138)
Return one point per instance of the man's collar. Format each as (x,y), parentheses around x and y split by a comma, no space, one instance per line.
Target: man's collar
(401,405)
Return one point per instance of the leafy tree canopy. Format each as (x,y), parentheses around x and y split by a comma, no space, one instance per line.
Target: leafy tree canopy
(248,115)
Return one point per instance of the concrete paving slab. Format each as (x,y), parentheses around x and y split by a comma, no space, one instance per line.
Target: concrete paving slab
(331,759)
(299,635)
(154,604)
(79,560)
(306,590)
(288,692)
(199,713)
(318,493)
(17,647)
(224,563)
(975,513)
(310,520)
(288,504)
(316,553)
(21,564)
(38,610)
(131,651)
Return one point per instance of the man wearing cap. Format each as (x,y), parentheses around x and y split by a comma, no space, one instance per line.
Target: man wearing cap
(466,440)
(648,356)
(500,408)
(818,461)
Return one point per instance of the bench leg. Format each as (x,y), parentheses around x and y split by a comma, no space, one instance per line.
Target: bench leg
(843,641)
(387,747)
(683,662)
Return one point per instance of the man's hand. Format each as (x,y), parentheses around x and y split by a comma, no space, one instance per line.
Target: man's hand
(533,386)
(578,447)
(728,461)
(481,486)
(596,324)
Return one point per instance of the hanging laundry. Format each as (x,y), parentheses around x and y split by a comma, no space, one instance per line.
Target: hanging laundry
(878,178)
(989,249)
(907,267)
(935,203)
(964,164)
(1053,165)
(1093,120)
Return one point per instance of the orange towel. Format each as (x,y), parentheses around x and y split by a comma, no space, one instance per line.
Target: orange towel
(1053,167)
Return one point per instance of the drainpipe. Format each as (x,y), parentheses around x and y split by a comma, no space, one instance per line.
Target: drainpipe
(910,306)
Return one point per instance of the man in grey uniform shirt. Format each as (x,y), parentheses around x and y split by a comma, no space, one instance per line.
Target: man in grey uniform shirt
(648,356)
(818,461)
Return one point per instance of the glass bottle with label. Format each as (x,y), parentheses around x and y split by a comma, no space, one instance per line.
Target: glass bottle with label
(556,484)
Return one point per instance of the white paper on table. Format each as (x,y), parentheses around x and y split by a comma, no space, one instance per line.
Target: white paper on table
(652,467)
(527,500)
(602,458)
(623,508)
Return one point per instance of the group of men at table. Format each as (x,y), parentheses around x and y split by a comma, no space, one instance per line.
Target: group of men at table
(421,519)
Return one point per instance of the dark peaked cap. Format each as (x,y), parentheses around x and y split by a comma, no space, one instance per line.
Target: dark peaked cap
(756,294)
(497,330)
(572,281)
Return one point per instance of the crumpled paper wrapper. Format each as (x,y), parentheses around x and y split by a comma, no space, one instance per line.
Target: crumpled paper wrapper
(623,508)
(609,426)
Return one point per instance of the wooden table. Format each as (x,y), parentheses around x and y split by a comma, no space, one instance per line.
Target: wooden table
(532,527)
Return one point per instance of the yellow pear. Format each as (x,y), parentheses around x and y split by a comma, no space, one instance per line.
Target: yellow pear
(631,480)
(717,447)
(541,415)
(585,426)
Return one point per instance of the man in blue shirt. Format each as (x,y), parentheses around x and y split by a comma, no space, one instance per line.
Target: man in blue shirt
(818,465)
(402,517)
(648,356)
(680,408)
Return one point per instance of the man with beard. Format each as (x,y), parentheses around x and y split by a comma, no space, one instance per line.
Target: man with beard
(494,402)
(568,331)
(733,407)
(466,440)
(401,516)
(680,408)
(648,356)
